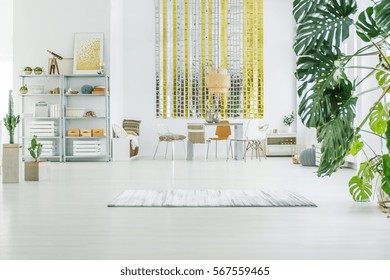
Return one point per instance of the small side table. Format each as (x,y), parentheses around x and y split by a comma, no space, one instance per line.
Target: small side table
(280,144)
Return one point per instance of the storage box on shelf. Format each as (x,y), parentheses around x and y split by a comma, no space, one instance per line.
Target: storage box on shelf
(280,144)
(58,118)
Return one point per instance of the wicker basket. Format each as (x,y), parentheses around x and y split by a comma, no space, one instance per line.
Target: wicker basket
(73,112)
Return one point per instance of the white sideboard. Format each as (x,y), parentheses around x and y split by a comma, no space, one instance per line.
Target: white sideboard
(280,144)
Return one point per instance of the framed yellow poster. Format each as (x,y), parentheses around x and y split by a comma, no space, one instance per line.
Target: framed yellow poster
(88,53)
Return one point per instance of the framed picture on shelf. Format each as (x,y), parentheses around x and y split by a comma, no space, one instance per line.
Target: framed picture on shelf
(88,53)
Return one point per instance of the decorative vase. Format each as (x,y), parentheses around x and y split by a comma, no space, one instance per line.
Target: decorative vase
(11,166)
(27,72)
(209,118)
(217,117)
(289,129)
(37,72)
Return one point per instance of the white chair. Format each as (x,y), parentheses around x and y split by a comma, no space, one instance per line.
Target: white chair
(164,135)
(253,140)
(257,141)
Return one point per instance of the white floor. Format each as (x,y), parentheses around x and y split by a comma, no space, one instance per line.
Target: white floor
(67,218)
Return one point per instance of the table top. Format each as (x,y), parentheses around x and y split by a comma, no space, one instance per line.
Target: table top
(223,124)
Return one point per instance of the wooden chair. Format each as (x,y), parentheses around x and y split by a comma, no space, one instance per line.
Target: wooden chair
(223,133)
(197,135)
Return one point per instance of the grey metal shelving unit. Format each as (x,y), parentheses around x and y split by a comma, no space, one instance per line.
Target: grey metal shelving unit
(27,112)
(92,102)
(100,103)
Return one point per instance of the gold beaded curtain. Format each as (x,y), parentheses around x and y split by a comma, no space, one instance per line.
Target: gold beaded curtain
(193,36)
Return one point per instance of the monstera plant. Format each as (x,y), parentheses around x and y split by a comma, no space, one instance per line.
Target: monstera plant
(329,96)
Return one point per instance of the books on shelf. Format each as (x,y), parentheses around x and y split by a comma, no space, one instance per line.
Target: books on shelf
(99,90)
(54,111)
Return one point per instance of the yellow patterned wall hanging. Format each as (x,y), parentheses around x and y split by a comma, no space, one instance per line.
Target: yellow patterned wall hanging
(88,53)
(193,36)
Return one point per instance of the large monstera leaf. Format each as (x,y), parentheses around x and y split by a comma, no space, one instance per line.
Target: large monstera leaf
(323,105)
(386,174)
(336,137)
(318,65)
(337,134)
(367,28)
(303,8)
(360,189)
(378,119)
(383,76)
(318,69)
(382,15)
(328,25)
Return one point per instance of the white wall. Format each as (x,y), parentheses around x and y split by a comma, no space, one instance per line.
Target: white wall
(5,60)
(139,74)
(42,25)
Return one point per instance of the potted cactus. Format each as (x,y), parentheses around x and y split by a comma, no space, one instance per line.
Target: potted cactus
(27,70)
(38,70)
(23,90)
(11,150)
(35,170)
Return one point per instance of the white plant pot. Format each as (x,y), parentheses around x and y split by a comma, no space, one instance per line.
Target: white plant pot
(11,163)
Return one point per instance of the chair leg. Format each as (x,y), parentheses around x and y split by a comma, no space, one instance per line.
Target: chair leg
(208,146)
(216,149)
(227,149)
(155,152)
(185,151)
(258,149)
(166,150)
(245,146)
(173,150)
(262,148)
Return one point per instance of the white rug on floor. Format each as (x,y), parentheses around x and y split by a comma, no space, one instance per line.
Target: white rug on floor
(210,198)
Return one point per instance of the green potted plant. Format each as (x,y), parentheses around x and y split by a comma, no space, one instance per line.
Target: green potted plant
(35,170)
(38,70)
(288,121)
(23,90)
(329,93)
(27,70)
(11,150)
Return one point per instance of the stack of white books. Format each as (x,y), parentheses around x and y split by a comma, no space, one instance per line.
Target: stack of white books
(86,148)
(49,148)
(54,111)
(44,129)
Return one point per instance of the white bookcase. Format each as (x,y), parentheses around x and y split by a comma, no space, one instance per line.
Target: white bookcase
(68,148)
(280,144)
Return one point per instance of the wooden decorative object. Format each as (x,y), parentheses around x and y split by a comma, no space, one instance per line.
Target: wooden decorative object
(98,132)
(86,132)
(74,132)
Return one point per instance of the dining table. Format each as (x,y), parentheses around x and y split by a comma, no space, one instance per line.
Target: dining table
(238,133)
